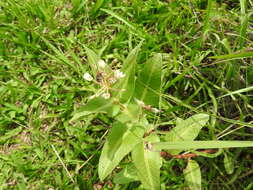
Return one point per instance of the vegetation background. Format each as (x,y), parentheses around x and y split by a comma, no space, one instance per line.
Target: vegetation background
(43,59)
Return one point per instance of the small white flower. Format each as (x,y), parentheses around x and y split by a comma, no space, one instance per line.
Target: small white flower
(87,77)
(156,110)
(106,95)
(112,80)
(101,63)
(140,103)
(118,74)
(92,97)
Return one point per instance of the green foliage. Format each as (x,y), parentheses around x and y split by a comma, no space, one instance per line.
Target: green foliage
(185,145)
(131,113)
(149,81)
(127,175)
(186,130)
(167,78)
(121,140)
(127,135)
(96,105)
(124,89)
(228,164)
(148,164)
(193,175)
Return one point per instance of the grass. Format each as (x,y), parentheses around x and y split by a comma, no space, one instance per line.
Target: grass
(42,56)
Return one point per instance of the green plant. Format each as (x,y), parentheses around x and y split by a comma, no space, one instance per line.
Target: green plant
(42,60)
(131,101)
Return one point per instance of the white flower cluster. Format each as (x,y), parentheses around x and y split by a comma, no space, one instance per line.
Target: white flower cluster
(155,110)
(106,95)
(105,80)
(118,74)
(101,63)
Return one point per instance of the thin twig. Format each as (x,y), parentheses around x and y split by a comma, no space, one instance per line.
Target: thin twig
(64,166)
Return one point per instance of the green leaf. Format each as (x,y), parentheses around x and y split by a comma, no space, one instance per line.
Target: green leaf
(119,18)
(93,59)
(178,121)
(136,31)
(186,130)
(148,83)
(192,175)
(130,113)
(250,88)
(10,134)
(240,55)
(124,88)
(249,75)
(96,105)
(228,164)
(59,55)
(148,164)
(244,23)
(127,175)
(121,140)
(97,6)
(186,145)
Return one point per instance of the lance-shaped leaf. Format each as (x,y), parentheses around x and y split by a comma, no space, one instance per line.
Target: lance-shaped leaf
(186,130)
(96,105)
(236,55)
(93,59)
(148,163)
(127,175)
(192,175)
(186,145)
(124,88)
(148,83)
(121,140)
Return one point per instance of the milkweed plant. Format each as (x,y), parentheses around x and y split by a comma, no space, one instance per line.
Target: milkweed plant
(129,97)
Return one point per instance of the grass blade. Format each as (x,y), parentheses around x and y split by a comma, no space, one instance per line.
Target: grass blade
(240,55)
(186,145)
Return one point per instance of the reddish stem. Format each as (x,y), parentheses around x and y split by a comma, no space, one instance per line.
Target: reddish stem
(185,156)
